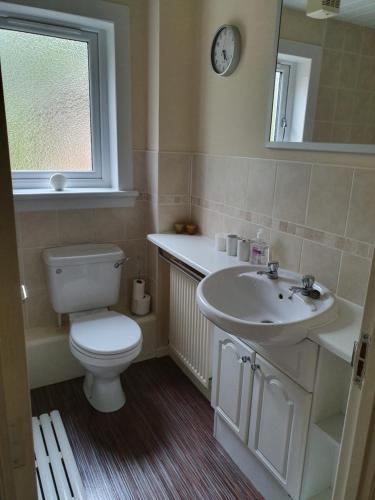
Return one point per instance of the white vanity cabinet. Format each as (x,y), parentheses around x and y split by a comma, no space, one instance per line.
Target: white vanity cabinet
(279,418)
(265,408)
(232,382)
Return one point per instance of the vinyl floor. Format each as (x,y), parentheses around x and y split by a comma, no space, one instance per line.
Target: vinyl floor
(158,446)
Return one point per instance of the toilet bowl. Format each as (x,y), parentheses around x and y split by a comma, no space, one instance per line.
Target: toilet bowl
(84,281)
(105,343)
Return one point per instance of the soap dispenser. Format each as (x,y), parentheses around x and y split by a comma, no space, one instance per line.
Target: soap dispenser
(259,250)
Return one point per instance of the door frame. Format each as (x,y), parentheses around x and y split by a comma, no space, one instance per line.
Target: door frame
(356,467)
(17,462)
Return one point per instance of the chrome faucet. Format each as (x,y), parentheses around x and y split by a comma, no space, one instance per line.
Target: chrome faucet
(273,268)
(307,289)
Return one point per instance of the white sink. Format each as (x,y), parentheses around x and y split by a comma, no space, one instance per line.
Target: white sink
(258,309)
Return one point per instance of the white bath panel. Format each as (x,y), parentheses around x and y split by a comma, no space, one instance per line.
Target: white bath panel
(57,473)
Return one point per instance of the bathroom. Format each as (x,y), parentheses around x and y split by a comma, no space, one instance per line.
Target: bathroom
(166,137)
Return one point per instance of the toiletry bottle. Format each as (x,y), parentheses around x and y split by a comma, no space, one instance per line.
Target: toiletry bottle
(259,251)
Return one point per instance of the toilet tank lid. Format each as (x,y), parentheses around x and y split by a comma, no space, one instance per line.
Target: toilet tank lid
(82,254)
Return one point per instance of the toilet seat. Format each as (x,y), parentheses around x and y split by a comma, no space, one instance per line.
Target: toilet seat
(105,334)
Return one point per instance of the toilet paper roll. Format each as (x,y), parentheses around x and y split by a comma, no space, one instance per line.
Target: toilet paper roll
(141,306)
(138,288)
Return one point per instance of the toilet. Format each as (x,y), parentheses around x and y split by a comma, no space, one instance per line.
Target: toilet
(83,281)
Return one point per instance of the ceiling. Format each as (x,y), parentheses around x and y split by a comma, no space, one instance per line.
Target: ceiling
(354,11)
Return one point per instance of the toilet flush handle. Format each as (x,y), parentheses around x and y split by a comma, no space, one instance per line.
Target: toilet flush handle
(121,262)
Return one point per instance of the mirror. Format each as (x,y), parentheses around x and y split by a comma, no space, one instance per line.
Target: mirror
(324,86)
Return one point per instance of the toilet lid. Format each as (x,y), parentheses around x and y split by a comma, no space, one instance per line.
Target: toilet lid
(105,332)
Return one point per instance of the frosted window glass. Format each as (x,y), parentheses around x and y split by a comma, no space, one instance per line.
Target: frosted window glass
(47,101)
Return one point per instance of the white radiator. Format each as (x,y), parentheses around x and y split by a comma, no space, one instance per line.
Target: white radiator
(57,474)
(190,332)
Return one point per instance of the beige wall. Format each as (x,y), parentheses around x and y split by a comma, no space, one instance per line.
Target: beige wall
(139,68)
(232,112)
(317,209)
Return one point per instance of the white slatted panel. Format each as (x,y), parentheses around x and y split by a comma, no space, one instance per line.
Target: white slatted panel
(190,333)
(57,474)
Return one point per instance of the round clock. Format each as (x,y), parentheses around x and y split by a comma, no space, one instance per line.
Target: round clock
(226,49)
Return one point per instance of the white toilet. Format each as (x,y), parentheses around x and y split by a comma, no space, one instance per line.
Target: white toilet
(84,280)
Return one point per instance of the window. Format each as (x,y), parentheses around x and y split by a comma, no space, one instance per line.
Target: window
(280,110)
(66,78)
(295,92)
(51,91)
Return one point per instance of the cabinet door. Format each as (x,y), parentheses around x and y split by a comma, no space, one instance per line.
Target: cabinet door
(232,382)
(279,420)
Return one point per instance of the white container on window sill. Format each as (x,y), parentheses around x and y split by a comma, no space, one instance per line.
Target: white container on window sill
(58,182)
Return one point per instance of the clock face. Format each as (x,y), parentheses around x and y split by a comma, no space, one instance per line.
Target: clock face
(225,52)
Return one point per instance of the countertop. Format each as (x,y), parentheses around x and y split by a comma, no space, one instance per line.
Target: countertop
(199,252)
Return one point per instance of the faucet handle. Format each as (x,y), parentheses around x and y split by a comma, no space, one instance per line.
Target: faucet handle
(273,266)
(308,281)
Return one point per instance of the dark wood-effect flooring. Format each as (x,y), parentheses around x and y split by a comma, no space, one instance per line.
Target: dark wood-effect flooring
(158,446)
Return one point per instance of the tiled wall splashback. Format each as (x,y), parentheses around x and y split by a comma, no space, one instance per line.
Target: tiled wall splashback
(126,227)
(345,111)
(319,219)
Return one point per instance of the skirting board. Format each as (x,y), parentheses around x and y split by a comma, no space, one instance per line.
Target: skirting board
(248,463)
(50,361)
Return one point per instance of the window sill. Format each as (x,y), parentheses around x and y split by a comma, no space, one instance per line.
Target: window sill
(29,200)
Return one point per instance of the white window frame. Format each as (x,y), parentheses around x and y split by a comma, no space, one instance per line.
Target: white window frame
(106,25)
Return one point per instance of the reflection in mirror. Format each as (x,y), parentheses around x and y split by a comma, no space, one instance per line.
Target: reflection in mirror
(324,86)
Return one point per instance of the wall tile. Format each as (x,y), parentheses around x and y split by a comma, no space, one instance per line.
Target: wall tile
(236,174)
(76,226)
(349,70)
(39,309)
(361,221)
(322,262)
(109,224)
(335,34)
(345,105)
(197,185)
(174,173)
(366,76)
(212,173)
(352,41)
(354,276)
(170,214)
(325,108)
(139,168)
(331,65)
(329,198)
(261,186)
(34,268)
(209,222)
(136,221)
(135,251)
(292,183)
(39,229)
(287,250)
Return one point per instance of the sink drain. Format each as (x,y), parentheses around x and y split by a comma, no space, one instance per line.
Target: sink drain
(267,321)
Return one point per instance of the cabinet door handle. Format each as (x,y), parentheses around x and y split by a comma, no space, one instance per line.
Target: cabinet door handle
(254,367)
(245,359)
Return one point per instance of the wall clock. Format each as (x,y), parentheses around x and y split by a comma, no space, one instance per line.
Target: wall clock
(226,50)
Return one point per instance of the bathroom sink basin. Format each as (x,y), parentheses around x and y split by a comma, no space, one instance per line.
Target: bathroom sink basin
(258,309)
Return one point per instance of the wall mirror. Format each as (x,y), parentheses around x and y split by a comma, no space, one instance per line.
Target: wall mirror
(323,95)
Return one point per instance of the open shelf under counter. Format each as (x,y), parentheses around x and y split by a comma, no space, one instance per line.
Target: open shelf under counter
(324,495)
(332,427)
